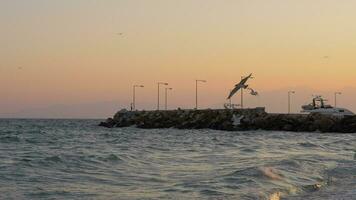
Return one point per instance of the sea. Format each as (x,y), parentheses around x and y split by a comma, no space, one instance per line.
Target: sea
(77,159)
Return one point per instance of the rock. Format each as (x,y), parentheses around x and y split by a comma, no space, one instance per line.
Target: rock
(109,123)
(325,123)
(227,125)
(312,188)
(238,119)
(288,127)
(347,125)
(120,113)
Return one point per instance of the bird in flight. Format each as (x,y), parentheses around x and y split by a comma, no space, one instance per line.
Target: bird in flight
(253,92)
(241,85)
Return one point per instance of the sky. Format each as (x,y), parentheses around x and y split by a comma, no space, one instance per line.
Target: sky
(79,59)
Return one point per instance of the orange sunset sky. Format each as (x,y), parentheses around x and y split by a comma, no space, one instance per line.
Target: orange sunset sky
(80,58)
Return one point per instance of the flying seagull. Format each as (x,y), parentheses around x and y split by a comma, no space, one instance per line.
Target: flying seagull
(242,85)
(253,92)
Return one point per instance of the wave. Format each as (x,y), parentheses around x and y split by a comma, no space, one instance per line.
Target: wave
(307,144)
(111,158)
(94,163)
(10,139)
(55,159)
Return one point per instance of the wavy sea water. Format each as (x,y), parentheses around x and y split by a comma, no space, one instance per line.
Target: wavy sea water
(76,159)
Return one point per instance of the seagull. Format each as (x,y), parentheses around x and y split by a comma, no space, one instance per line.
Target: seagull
(253,92)
(239,86)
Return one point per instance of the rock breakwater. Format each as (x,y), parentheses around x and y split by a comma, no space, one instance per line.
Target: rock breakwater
(231,120)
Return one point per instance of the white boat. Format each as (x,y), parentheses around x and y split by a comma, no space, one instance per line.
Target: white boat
(319,106)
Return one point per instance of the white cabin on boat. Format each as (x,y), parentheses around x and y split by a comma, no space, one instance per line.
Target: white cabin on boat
(318,106)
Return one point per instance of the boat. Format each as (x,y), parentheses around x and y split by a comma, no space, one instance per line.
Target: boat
(318,106)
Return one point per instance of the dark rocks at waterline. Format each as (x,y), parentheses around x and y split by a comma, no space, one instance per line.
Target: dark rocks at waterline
(303,123)
(181,119)
(230,120)
(109,123)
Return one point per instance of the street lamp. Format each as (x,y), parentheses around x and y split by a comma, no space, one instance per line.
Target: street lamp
(230,101)
(242,93)
(158,84)
(335,95)
(165,102)
(289,94)
(196,92)
(134,96)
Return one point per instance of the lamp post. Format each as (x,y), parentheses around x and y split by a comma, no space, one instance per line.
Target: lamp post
(335,95)
(242,98)
(158,84)
(230,101)
(165,102)
(196,92)
(134,96)
(289,94)
(242,93)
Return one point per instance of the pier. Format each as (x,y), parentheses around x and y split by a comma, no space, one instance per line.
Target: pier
(232,120)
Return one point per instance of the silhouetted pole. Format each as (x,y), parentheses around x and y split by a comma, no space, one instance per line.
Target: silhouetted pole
(242,93)
(158,84)
(335,95)
(242,98)
(289,94)
(196,92)
(165,102)
(230,101)
(134,96)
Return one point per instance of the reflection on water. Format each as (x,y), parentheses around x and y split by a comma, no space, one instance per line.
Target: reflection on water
(271,173)
(75,159)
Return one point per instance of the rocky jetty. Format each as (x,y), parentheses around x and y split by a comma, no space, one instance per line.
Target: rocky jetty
(231,120)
